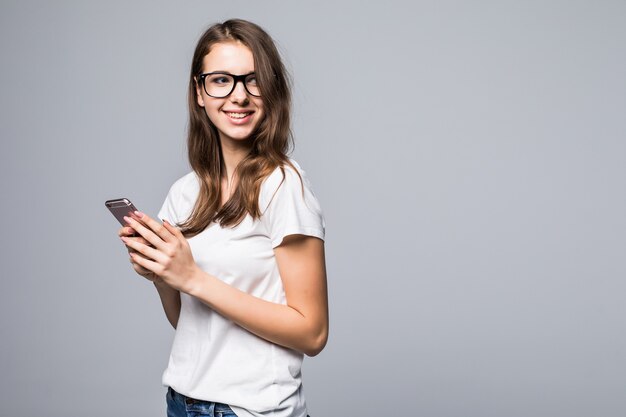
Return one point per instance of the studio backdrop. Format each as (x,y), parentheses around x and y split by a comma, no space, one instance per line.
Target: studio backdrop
(469,158)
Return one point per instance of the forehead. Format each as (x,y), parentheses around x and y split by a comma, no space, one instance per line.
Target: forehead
(233,57)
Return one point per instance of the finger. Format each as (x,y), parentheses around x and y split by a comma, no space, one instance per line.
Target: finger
(135,239)
(138,268)
(138,240)
(153,231)
(127,231)
(172,229)
(147,251)
(147,264)
(133,260)
(143,232)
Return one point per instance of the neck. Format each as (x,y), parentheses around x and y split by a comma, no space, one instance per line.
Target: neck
(233,152)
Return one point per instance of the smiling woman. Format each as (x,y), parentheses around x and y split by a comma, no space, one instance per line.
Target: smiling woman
(239,260)
(226,98)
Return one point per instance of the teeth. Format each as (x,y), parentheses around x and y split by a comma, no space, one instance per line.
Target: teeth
(237,115)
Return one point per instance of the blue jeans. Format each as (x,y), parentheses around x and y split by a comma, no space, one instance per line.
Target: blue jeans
(179,405)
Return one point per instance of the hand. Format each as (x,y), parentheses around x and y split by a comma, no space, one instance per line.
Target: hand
(169,257)
(149,275)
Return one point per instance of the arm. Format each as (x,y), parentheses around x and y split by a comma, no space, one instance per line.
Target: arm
(301,324)
(170,299)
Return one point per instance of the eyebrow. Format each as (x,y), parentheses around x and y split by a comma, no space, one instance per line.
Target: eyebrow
(226,72)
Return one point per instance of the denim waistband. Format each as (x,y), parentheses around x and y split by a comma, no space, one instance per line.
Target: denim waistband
(193,403)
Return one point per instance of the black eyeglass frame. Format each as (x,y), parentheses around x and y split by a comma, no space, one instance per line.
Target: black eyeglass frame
(236,78)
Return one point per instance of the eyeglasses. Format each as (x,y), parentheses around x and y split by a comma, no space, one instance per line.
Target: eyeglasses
(222,84)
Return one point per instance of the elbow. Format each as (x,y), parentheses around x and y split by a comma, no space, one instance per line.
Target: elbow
(317,343)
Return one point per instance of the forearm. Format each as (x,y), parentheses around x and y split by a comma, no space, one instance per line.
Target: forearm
(170,299)
(277,323)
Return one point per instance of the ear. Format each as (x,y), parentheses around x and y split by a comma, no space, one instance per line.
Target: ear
(199,98)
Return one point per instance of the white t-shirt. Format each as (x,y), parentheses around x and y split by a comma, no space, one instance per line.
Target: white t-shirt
(212,358)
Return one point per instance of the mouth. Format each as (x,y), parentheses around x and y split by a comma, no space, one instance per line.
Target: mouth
(239,115)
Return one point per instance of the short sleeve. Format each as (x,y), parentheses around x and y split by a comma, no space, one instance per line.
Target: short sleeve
(288,211)
(168,209)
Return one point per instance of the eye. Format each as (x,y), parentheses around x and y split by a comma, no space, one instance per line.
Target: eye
(219,79)
(251,79)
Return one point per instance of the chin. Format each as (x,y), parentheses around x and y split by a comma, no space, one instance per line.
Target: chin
(238,136)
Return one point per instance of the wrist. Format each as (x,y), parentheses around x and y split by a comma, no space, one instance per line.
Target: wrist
(193,285)
(159,284)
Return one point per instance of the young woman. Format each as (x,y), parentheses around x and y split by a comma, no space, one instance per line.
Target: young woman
(238,261)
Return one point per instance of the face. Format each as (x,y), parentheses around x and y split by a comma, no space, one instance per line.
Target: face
(238,114)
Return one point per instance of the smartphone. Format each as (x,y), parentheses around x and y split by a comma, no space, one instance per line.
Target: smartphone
(121,207)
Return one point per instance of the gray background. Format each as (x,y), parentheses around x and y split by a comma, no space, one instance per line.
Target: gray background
(469,158)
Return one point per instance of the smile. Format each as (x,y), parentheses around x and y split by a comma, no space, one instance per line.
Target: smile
(238,115)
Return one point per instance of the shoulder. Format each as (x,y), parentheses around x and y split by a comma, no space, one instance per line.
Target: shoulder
(286,183)
(289,206)
(283,177)
(185,184)
(283,174)
(183,193)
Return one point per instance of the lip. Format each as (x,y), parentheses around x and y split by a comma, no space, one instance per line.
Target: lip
(241,121)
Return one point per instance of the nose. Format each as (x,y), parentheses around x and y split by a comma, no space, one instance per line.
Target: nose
(239,94)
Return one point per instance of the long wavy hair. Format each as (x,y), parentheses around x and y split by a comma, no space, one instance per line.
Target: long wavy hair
(271,140)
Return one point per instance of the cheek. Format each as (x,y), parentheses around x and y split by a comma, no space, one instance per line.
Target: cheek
(211,111)
(260,110)
(261,116)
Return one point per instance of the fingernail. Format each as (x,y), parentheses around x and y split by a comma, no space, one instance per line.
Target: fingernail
(139,214)
(127,219)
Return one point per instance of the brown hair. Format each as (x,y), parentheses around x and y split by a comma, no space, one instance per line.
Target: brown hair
(271,140)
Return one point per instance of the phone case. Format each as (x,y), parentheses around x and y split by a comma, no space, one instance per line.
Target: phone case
(121,207)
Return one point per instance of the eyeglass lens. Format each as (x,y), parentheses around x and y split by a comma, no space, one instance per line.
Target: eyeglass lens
(221,85)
